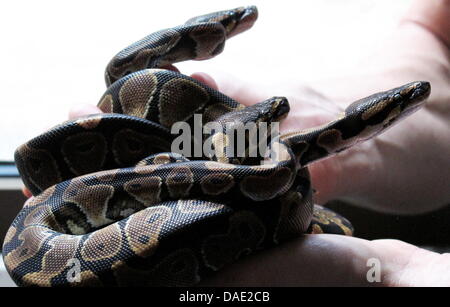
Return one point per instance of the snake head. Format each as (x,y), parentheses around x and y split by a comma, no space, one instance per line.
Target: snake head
(271,110)
(406,100)
(252,123)
(386,108)
(277,108)
(234,21)
(240,20)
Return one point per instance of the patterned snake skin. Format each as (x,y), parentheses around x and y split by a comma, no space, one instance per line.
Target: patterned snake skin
(112,200)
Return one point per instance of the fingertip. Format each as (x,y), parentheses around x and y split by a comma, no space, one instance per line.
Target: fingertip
(26,192)
(171,67)
(83,110)
(205,79)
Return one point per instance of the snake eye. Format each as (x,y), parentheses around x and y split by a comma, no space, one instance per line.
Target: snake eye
(398,98)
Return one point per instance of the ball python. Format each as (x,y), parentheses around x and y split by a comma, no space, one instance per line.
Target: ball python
(114,206)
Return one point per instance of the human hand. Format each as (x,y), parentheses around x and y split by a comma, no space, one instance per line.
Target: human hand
(402,170)
(332,260)
(420,140)
(343,260)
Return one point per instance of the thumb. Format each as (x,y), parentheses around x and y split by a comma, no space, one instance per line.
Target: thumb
(242,91)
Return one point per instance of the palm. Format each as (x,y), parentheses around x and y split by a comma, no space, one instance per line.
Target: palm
(400,171)
(414,54)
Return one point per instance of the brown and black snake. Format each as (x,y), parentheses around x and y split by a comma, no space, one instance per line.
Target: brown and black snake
(113,202)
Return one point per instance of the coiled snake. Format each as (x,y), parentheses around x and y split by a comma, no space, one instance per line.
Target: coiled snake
(113,202)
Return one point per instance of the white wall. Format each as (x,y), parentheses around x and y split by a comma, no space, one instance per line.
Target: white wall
(53,53)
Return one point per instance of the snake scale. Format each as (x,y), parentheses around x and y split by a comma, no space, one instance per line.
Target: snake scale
(112,200)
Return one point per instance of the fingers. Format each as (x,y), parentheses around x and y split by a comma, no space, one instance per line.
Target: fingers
(324,179)
(434,15)
(205,79)
(318,260)
(171,67)
(241,91)
(26,192)
(83,110)
(332,260)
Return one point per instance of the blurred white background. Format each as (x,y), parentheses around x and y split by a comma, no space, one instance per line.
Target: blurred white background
(54,52)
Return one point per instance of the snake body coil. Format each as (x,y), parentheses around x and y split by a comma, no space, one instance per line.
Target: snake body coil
(114,206)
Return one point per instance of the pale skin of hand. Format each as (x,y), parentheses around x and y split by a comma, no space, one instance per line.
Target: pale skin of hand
(406,163)
(401,171)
